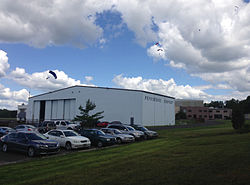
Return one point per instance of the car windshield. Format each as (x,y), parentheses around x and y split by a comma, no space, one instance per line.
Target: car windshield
(69,133)
(68,123)
(130,128)
(142,128)
(35,136)
(117,132)
(99,132)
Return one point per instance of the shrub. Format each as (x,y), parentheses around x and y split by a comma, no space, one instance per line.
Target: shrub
(238,118)
(180,115)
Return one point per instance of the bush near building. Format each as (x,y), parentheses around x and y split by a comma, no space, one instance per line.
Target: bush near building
(238,118)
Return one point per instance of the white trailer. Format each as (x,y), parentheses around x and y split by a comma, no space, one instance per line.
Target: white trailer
(125,105)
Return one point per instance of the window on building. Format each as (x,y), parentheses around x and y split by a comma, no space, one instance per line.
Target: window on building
(217,111)
(225,111)
(189,110)
(205,110)
(200,116)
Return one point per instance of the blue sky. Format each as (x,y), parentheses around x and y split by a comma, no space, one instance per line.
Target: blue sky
(112,44)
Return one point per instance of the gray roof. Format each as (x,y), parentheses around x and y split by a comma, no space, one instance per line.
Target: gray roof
(103,88)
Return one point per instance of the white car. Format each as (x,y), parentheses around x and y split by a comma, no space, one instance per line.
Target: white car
(68,139)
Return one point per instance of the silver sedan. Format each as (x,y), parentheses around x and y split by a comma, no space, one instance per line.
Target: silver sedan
(120,137)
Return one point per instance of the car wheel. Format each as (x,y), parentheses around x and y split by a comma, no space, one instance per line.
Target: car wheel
(99,144)
(119,141)
(31,152)
(68,146)
(5,147)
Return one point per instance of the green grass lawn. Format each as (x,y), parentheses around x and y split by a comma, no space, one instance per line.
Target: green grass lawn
(204,155)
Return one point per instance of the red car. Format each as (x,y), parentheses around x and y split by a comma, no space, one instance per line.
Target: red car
(102,124)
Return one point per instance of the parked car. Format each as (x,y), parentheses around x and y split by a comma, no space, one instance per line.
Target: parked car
(5,130)
(120,137)
(125,129)
(102,124)
(98,137)
(46,126)
(116,122)
(24,127)
(32,143)
(148,133)
(65,125)
(68,139)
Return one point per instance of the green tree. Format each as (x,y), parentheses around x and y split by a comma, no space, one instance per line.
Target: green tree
(85,118)
(215,104)
(180,115)
(238,118)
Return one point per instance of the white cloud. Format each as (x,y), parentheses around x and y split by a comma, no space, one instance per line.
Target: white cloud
(88,78)
(206,38)
(169,87)
(39,80)
(10,99)
(4,65)
(40,23)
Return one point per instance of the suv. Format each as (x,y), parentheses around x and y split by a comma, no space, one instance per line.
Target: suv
(148,133)
(46,126)
(125,129)
(65,125)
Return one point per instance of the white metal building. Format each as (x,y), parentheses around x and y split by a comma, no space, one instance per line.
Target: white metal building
(125,105)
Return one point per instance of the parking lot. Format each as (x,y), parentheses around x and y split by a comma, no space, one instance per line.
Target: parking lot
(15,157)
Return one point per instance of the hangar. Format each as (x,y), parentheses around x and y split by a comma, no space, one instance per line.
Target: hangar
(125,105)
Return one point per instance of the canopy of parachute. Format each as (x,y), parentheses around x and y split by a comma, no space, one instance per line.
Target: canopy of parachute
(53,74)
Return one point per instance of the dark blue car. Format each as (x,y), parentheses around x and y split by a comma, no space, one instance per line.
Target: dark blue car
(32,143)
(98,137)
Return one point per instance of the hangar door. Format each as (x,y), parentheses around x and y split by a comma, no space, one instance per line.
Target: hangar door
(69,109)
(60,109)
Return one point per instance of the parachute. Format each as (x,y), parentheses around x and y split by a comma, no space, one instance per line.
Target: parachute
(159,49)
(53,74)
(236,9)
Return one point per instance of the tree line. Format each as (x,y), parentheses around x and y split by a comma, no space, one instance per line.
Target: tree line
(243,105)
(4,113)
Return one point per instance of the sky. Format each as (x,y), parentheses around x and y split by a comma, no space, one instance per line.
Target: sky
(198,49)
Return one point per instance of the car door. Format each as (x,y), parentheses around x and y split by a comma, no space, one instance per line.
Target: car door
(51,135)
(61,138)
(12,141)
(92,136)
(21,142)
